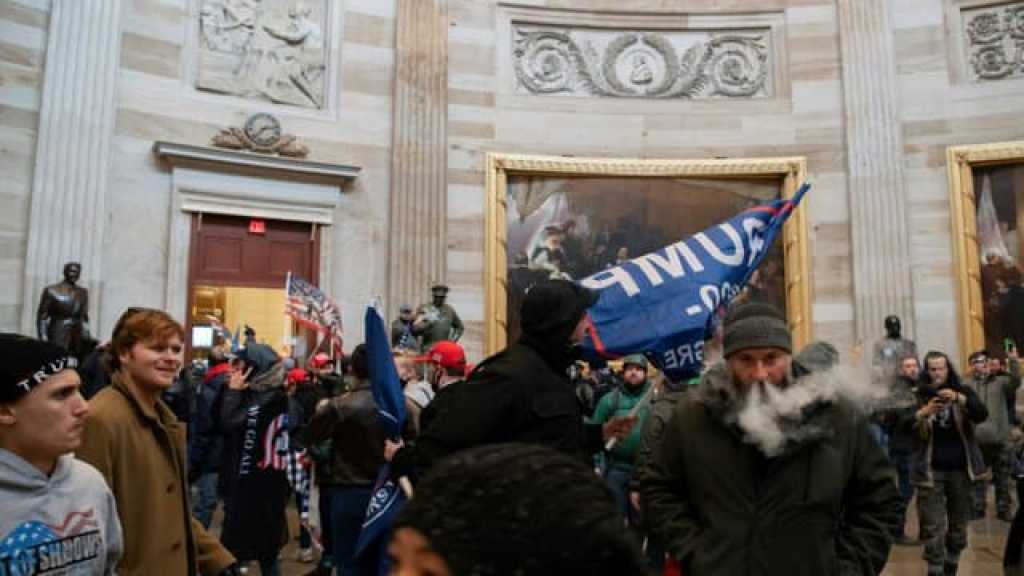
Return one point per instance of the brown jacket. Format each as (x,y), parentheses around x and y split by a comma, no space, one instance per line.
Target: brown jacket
(140,450)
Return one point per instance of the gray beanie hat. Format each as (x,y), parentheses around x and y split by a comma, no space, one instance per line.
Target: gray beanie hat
(755,325)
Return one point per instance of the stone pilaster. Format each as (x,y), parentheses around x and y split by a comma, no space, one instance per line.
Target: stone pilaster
(76,125)
(418,228)
(874,147)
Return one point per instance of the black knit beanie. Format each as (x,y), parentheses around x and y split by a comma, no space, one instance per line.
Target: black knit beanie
(26,363)
(552,308)
(755,325)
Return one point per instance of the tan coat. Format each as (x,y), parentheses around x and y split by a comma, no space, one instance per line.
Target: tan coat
(140,450)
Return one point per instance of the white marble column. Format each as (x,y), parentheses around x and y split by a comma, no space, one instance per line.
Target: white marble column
(878,215)
(418,223)
(76,124)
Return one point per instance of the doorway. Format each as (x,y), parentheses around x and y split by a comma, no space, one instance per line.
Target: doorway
(238,268)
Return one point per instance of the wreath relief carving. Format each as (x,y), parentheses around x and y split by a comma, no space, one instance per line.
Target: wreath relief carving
(641,64)
(995,41)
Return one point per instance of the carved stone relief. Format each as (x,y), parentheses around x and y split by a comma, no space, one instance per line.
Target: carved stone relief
(642,64)
(267,50)
(261,133)
(994,38)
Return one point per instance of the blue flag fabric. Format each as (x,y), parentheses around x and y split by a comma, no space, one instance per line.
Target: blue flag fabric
(662,304)
(384,382)
(387,497)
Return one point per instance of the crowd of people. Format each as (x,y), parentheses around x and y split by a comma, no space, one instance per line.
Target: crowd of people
(773,461)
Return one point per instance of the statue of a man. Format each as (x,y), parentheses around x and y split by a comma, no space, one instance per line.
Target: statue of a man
(63,316)
(437,321)
(890,351)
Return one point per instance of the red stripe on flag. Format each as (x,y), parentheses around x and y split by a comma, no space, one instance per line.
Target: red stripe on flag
(598,344)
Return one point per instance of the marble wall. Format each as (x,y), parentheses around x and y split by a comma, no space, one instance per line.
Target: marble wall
(803,117)
(808,105)
(157,100)
(23,37)
(941,106)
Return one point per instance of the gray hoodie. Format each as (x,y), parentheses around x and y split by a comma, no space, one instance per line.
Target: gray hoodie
(62,525)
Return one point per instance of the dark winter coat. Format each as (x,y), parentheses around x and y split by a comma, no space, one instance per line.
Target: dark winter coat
(827,505)
(523,393)
(350,422)
(206,441)
(965,416)
(662,407)
(255,525)
(510,397)
(998,392)
(903,405)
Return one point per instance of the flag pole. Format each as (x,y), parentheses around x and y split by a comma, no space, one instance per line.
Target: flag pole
(645,399)
(406,486)
(289,336)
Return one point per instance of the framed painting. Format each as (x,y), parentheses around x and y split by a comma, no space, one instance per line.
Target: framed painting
(563,217)
(986,184)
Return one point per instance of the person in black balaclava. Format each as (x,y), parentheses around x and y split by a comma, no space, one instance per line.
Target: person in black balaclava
(523,393)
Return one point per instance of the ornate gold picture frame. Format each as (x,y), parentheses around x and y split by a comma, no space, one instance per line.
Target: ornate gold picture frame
(789,172)
(962,164)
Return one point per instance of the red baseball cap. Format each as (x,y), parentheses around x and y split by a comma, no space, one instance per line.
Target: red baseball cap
(320,360)
(445,353)
(297,375)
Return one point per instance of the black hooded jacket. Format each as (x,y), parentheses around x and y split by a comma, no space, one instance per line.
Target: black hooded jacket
(521,394)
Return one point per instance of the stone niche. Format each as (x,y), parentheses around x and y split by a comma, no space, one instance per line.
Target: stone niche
(991,39)
(672,56)
(271,50)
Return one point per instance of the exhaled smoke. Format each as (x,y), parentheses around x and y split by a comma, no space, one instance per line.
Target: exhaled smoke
(772,418)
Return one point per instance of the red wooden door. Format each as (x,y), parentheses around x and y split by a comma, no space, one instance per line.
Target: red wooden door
(224,252)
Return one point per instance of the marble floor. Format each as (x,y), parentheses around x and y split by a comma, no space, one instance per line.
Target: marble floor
(983,556)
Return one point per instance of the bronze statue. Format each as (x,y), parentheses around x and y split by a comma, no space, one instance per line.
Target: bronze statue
(436,320)
(890,351)
(63,316)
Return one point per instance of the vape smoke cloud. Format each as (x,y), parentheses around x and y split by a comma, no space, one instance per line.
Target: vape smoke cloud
(772,418)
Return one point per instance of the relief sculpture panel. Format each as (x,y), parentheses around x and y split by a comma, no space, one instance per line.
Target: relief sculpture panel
(268,50)
(994,41)
(643,63)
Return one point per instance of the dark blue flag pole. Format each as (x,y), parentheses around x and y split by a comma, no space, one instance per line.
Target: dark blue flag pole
(661,304)
(388,496)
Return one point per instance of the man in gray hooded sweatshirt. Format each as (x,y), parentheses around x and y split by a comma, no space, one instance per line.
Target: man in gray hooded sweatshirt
(58,515)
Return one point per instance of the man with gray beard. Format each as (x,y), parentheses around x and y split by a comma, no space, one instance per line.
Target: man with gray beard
(764,471)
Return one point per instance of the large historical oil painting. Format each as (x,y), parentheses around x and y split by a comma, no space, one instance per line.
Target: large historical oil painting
(987,183)
(573,224)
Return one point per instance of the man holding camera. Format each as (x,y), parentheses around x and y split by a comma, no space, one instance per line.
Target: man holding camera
(946,462)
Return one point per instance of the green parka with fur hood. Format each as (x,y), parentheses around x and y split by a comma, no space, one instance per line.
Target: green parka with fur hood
(826,505)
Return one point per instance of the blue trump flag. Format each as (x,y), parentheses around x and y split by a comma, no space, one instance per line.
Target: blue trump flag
(387,497)
(662,303)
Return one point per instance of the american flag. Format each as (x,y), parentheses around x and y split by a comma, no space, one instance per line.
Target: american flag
(310,307)
(33,533)
(275,444)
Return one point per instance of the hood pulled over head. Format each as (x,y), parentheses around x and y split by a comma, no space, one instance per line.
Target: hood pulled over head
(551,310)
